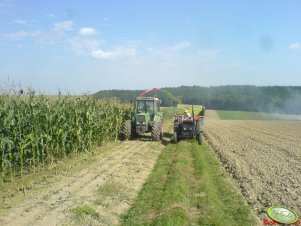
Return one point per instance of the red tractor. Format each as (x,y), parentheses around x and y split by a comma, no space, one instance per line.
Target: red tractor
(188,127)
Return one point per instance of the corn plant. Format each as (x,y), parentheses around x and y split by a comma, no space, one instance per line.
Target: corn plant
(37,130)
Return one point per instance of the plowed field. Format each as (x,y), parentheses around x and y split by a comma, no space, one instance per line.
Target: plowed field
(263,156)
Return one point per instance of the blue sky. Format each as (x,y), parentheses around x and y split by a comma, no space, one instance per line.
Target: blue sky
(86,46)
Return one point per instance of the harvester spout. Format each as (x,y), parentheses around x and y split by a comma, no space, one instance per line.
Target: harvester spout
(148,90)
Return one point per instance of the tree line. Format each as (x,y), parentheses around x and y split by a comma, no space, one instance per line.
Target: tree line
(275,99)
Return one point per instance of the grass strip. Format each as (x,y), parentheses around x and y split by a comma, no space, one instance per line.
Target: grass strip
(188,187)
(220,203)
(165,197)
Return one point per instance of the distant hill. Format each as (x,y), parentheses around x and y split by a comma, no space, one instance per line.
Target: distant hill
(276,99)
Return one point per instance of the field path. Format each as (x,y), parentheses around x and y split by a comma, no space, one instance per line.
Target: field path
(108,185)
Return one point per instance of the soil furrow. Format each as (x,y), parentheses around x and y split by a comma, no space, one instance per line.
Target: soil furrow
(264,158)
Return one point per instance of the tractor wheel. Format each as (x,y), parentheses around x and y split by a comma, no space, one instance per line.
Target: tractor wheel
(126,130)
(175,137)
(199,138)
(156,131)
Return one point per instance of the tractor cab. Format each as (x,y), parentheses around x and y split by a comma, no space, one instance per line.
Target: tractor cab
(146,110)
(147,105)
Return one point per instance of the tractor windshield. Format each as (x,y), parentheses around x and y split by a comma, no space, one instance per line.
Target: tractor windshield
(145,106)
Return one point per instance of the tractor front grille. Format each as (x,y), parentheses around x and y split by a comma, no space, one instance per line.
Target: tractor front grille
(187,127)
(187,130)
(187,134)
(141,119)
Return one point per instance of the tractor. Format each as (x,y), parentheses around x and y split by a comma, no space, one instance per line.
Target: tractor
(145,118)
(188,127)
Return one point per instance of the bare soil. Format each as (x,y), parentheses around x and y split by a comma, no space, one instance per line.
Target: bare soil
(263,156)
(107,183)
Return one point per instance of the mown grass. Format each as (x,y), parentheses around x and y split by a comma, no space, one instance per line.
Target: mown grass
(80,211)
(244,115)
(110,193)
(188,187)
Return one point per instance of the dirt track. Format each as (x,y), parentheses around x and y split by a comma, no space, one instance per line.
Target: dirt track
(109,184)
(263,156)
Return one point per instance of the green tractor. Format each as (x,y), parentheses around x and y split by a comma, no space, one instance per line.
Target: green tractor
(145,118)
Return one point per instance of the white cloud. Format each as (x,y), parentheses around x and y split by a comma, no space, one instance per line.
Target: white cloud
(84,46)
(50,37)
(116,52)
(86,31)
(19,21)
(63,26)
(20,35)
(209,53)
(295,46)
(168,51)
(180,46)
(93,48)
(167,54)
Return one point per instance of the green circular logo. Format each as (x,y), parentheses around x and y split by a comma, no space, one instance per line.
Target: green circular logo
(282,214)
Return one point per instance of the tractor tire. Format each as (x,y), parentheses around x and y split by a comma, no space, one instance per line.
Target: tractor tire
(199,138)
(175,137)
(126,130)
(156,131)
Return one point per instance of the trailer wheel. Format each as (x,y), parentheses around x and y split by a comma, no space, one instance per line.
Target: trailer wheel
(175,137)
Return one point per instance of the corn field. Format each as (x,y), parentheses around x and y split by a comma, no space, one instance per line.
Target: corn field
(36,130)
